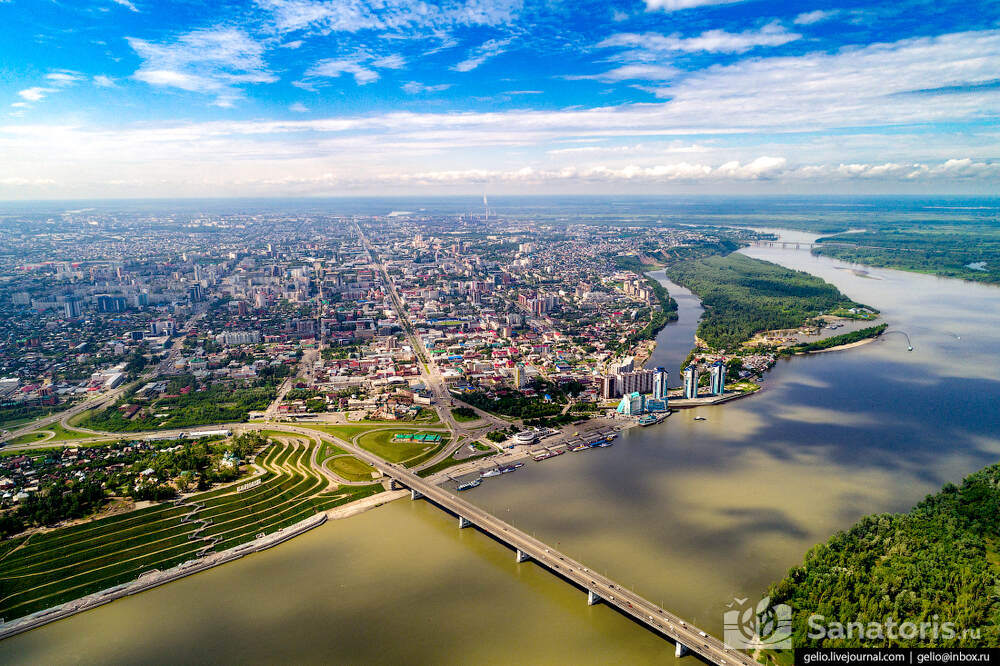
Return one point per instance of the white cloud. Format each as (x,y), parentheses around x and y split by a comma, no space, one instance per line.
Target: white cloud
(242,157)
(394,61)
(808,18)
(63,78)
(333,68)
(175,79)
(636,72)
(758,169)
(674,5)
(652,45)
(762,167)
(782,108)
(36,93)
(298,107)
(104,81)
(672,147)
(852,87)
(21,182)
(416,88)
(327,16)
(59,79)
(966,168)
(127,4)
(482,53)
(361,64)
(214,61)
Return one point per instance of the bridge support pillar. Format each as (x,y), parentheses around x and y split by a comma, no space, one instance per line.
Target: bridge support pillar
(464,522)
(414,495)
(592,598)
(680,650)
(394,484)
(521,556)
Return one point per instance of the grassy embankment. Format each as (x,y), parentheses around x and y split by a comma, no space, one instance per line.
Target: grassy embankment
(45,569)
(61,435)
(351,469)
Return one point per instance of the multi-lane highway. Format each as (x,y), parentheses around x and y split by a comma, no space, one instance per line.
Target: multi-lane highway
(429,371)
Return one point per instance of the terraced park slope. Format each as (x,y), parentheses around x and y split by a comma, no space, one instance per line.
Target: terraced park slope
(48,568)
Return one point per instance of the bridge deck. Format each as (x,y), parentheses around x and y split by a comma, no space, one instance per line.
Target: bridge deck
(655,618)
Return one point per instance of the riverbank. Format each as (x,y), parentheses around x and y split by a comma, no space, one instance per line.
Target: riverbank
(689,403)
(365,504)
(155,578)
(849,345)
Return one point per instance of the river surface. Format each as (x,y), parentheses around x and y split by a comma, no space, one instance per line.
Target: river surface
(688,513)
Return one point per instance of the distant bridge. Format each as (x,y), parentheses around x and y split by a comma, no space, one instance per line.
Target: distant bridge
(785,244)
(798,245)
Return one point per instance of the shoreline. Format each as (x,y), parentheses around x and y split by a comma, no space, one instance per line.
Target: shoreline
(691,403)
(154,578)
(849,345)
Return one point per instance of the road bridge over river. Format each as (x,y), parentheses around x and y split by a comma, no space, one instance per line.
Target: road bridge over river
(599,588)
(687,637)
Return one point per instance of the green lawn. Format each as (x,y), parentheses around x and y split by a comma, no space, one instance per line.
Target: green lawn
(327,449)
(380,443)
(77,419)
(348,432)
(427,416)
(350,468)
(344,432)
(28,438)
(63,434)
(426,455)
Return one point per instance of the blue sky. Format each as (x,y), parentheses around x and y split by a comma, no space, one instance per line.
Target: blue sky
(132,98)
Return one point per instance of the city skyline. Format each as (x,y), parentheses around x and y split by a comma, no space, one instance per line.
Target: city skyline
(126,98)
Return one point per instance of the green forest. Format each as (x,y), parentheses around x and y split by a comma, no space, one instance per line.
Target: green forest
(744,296)
(970,252)
(939,559)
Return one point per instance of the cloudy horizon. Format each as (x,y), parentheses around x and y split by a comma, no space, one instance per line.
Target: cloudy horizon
(124,98)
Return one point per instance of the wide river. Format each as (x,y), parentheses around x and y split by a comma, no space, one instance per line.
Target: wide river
(688,513)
